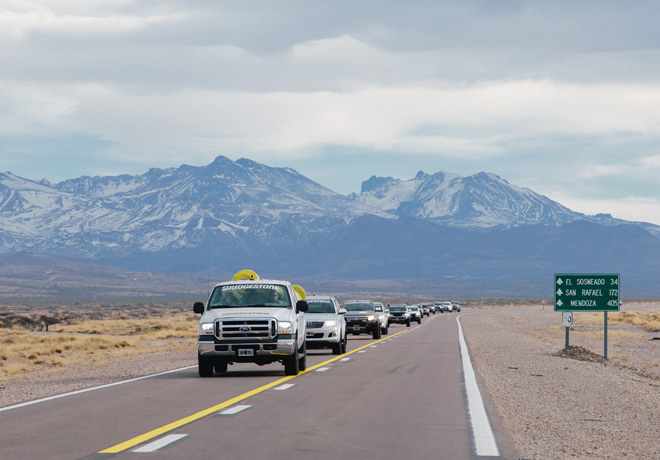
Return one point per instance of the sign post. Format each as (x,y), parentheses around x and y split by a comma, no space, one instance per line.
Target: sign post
(605,337)
(567,322)
(587,293)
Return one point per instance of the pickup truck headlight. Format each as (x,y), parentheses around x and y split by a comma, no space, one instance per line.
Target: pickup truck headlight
(371,318)
(206,329)
(285,327)
(330,323)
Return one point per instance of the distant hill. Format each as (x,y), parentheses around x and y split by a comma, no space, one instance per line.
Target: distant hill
(210,221)
(41,277)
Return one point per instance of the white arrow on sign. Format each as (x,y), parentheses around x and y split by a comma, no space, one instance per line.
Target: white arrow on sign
(560,303)
(559,281)
(559,292)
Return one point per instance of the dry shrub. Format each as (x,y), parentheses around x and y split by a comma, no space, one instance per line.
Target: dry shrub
(92,342)
(177,326)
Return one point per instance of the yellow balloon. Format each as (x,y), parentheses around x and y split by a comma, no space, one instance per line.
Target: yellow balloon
(245,275)
(300,291)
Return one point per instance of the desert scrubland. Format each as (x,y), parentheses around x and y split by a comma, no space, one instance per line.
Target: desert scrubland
(554,403)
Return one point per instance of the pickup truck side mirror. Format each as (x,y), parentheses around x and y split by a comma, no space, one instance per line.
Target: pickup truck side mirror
(341,311)
(198,307)
(302,306)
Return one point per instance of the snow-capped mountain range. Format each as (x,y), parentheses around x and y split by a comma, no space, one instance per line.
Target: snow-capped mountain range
(480,201)
(167,209)
(228,214)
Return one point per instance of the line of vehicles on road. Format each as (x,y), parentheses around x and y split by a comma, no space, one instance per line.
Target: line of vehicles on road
(249,319)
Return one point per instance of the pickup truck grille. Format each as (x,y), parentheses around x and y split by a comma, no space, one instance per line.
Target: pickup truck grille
(356,319)
(246,329)
(315,324)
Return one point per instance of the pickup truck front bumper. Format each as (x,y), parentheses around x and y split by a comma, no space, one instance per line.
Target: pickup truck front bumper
(399,319)
(357,327)
(323,334)
(248,351)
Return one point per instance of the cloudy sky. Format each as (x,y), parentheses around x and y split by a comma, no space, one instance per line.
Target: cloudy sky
(562,97)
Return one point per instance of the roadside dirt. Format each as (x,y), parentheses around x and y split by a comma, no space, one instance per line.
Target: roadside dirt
(569,403)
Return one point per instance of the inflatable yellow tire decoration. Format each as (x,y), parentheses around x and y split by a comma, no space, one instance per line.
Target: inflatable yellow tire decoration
(245,275)
(300,291)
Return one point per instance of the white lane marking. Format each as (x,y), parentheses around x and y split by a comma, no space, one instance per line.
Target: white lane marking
(154,446)
(345,359)
(286,386)
(322,369)
(234,410)
(374,346)
(362,351)
(77,392)
(484,439)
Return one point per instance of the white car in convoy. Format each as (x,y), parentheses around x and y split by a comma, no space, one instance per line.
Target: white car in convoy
(415,313)
(326,326)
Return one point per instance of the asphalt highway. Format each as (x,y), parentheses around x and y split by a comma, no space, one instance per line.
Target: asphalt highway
(405,396)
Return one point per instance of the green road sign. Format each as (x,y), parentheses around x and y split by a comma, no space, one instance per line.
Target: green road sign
(586,292)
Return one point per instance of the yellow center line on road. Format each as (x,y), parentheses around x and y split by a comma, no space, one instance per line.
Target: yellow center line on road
(194,417)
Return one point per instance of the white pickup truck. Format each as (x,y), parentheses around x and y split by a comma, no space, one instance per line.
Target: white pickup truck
(254,321)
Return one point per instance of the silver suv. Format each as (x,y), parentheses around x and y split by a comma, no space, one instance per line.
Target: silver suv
(326,326)
(415,313)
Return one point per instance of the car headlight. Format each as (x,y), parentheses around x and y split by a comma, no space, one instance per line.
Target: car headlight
(285,327)
(371,318)
(330,323)
(206,329)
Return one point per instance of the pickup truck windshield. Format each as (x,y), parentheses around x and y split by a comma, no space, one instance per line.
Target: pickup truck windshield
(358,306)
(320,306)
(397,308)
(249,295)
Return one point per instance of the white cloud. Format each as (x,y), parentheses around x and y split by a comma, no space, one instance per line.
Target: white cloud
(636,209)
(20,19)
(651,161)
(468,119)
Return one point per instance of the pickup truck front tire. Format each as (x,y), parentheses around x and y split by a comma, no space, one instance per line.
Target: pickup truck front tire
(292,363)
(340,348)
(302,360)
(204,366)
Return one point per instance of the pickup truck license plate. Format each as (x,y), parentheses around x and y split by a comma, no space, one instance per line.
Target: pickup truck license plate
(246,352)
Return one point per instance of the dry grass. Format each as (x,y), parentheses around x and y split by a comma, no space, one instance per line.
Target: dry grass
(179,326)
(87,336)
(648,319)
